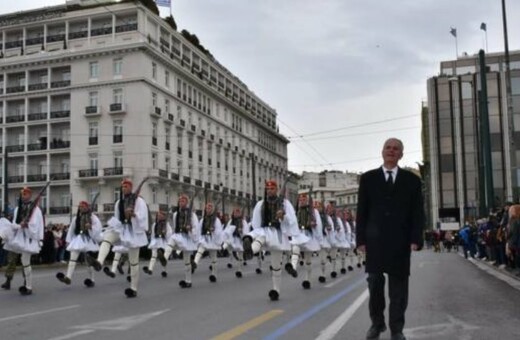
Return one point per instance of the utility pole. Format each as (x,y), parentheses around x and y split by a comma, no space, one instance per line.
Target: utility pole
(253,178)
(512,194)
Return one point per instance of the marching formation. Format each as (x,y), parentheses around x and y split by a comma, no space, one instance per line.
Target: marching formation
(309,230)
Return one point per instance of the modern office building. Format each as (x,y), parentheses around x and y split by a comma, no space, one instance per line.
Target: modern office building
(463,115)
(94,91)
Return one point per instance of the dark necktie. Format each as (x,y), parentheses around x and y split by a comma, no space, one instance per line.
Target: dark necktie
(389,180)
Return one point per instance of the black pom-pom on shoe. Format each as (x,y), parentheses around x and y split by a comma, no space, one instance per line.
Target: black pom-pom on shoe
(164,274)
(258,271)
(274,295)
(130,293)
(333,275)
(306,284)
(212,278)
(238,274)
(108,272)
(25,291)
(62,278)
(229,265)
(89,283)
(322,279)
(350,268)
(343,271)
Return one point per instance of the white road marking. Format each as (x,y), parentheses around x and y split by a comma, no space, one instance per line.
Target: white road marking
(73,335)
(38,313)
(447,330)
(121,324)
(335,282)
(333,329)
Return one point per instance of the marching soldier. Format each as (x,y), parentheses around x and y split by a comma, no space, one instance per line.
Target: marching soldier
(307,221)
(128,225)
(350,225)
(233,233)
(210,231)
(327,232)
(185,237)
(83,236)
(161,232)
(274,221)
(12,258)
(25,235)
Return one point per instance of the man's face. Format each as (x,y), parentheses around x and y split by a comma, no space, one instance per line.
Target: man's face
(127,189)
(271,191)
(330,209)
(303,200)
(183,202)
(26,196)
(348,214)
(209,208)
(237,213)
(318,206)
(83,208)
(392,152)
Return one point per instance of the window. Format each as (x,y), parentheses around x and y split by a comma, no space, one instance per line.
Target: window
(167,78)
(117,66)
(154,133)
(93,161)
(65,167)
(93,99)
(167,196)
(93,129)
(117,95)
(154,99)
(167,106)
(154,70)
(167,138)
(93,69)
(154,195)
(118,159)
(118,131)
(117,193)
(167,163)
(92,192)
(154,160)
(42,168)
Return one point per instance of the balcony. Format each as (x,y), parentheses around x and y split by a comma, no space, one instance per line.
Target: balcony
(193,128)
(225,190)
(170,117)
(203,133)
(60,176)
(89,110)
(36,146)
(167,146)
(37,116)
(155,110)
(38,86)
(60,83)
(182,123)
(233,192)
(78,35)
(175,176)
(216,187)
(60,114)
(198,182)
(33,41)
(163,173)
(100,31)
(108,207)
(14,118)
(117,139)
(60,144)
(15,148)
(15,179)
(55,37)
(93,140)
(186,179)
(88,173)
(116,108)
(117,171)
(37,178)
(59,210)
(126,28)
(154,141)
(13,44)
(15,89)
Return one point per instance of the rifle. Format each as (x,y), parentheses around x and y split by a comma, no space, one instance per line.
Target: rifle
(188,215)
(134,197)
(311,207)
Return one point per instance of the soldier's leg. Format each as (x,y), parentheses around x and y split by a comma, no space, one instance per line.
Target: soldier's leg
(293,264)
(186,283)
(240,263)
(306,284)
(148,270)
(333,259)
(213,256)
(259,262)
(133,259)
(115,261)
(323,264)
(27,270)
(72,263)
(276,274)
(12,259)
(198,255)
(343,256)
(108,240)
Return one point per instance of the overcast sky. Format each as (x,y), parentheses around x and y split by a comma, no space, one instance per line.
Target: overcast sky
(343,75)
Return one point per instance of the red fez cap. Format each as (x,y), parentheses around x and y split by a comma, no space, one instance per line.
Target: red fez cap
(26,190)
(271,184)
(84,203)
(126,181)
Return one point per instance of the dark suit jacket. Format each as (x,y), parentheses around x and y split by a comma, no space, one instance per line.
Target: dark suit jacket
(389,220)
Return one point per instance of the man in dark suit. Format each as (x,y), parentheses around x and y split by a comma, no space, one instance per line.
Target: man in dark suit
(390,221)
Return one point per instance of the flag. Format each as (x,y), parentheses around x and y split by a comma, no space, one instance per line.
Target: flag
(453,31)
(164,3)
(483,26)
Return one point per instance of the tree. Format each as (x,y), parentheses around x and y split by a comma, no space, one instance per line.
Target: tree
(171,21)
(150,4)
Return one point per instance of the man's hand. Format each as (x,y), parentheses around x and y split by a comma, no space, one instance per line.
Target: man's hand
(362,248)
(280,214)
(24,225)
(414,247)
(88,226)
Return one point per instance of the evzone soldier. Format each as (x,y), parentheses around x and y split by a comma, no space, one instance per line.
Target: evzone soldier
(327,232)
(129,226)
(307,218)
(24,235)
(350,223)
(339,238)
(210,239)
(184,238)
(83,236)
(235,229)
(273,221)
(161,233)
(118,261)
(12,258)
(343,240)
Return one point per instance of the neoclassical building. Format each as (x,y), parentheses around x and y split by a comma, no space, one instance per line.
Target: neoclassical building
(93,91)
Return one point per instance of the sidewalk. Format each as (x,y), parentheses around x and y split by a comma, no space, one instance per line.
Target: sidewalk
(513,273)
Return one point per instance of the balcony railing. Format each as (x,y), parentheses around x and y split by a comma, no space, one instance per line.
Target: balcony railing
(117,171)
(14,89)
(108,207)
(14,119)
(233,192)
(15,148)
(207,185)
(78,35)
(38,86)
(100,31)
(60,83)
(37,116)
(93,140)
(186,179)
(116,107)
(36,146)
(225,190)
(33,41)
(216,187)
(91,109)
(60,114)
(60,176)
(163,173)
(126,28)
(15,179)
(13,44)
(59,210)
(117,139)
(55,37)
(198,182)
(36,178)
(60,144)
(88,173)
(175,176)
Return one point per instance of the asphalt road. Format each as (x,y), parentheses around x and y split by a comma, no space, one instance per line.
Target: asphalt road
(450,298)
